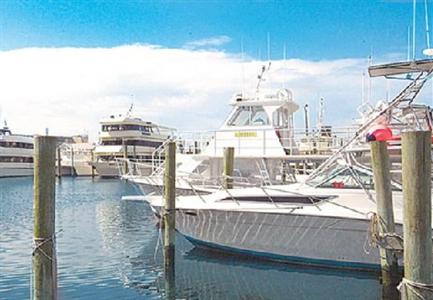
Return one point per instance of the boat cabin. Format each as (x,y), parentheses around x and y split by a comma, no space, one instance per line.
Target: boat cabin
(257,125)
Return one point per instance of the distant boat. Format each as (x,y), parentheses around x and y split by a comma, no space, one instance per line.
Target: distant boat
(16,154)
(131,135)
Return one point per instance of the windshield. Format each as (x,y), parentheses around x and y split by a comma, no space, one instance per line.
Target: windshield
(249,116)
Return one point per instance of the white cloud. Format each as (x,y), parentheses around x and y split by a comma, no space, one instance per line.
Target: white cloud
(209,42)
(70,89)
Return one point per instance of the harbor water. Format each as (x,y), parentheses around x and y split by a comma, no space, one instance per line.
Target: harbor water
(111,249)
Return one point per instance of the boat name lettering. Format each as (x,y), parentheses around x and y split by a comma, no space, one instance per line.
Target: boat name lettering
(246,134)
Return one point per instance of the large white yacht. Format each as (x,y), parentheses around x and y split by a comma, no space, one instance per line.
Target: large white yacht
(127,137)
(328,220)
(16,154)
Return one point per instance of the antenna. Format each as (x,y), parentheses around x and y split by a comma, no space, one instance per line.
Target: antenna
(363,89)
(284,83)
(321,112)
(408,42)
(242,65)
(307,119)
(131,106)
(413,29)
(428,51)
(269,47)
(370,62)
(269,56)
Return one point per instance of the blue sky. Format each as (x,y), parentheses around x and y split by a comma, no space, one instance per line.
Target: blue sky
(311,29)
(72,63)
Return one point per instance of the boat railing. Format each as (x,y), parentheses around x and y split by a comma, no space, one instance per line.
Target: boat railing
(269,141)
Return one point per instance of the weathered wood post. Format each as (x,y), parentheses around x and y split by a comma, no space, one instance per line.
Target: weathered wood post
(44,253)
(125,157)
(92,158)
(382,184)
(416,167)
(229,159)
(169,219)
(59,163)
(72,162)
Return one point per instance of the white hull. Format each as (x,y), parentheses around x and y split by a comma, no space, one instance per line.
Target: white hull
(111,168)
(309,227)
(16,169)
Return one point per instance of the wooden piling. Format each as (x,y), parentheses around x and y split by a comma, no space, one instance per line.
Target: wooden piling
(125,157)
(44,254)
(229,159)
(382,184)
(59,163)
(416,167)
(169,219)
(72,162)
(92,158)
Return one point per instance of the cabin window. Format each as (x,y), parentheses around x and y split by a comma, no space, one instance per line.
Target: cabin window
(117,142)
(16,159)
(289,199)
(118,127)
(249,116)
(16,145)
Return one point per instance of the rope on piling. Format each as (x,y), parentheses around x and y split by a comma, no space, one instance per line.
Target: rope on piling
(39,242)
(420,290)
(377,238)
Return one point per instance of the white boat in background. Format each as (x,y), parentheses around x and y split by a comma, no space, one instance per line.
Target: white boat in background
(328,219)
(76,157)
(16,154)
(127,137)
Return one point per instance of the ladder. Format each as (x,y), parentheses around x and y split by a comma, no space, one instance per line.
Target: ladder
(404,99)
(263,171)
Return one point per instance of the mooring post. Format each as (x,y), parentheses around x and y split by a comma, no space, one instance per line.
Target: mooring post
(72,162)
(229,159)
(92,157)
(125,157)
(169,219)
(416,168)
(44,253)
(59,163)
(382,184)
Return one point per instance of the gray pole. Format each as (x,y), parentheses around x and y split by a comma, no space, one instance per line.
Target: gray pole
(44,254)
(416,167)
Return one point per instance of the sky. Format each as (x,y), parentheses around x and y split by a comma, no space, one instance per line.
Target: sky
(65,65)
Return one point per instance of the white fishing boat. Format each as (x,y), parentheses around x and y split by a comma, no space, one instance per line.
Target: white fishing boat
(326,221)
(16,154)
(127,137)
(268,149)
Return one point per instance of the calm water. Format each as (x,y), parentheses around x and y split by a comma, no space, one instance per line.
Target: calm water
(107,249)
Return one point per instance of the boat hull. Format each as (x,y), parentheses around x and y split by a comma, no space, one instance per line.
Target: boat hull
(313,240)
(16,170)
(111,169)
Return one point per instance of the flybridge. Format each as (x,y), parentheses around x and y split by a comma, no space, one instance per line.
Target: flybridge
(399,68)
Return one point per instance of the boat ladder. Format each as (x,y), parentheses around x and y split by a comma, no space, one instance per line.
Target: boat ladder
(263,171)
